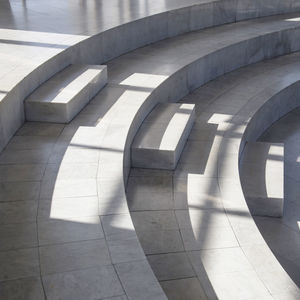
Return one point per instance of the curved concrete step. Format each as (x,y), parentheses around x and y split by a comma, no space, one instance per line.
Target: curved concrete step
(160,140)
(195,222)
(282,234)
(65,94)
(262,178)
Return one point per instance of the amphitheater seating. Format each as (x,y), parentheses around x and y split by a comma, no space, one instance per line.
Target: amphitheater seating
(70,228)
(199,219)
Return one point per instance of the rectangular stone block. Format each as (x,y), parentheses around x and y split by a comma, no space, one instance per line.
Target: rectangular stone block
(160,140)
(63,96)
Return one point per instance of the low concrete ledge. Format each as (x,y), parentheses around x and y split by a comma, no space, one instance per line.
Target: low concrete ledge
(63,96)
(262,165)
(160,140)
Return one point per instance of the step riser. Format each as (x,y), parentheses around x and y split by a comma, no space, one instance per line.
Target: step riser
(263,179)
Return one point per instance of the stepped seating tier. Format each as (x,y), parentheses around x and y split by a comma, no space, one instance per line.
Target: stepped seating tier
(64,95)
(60,39)
(262,178)
(160,140)
(190,219)
(99,139)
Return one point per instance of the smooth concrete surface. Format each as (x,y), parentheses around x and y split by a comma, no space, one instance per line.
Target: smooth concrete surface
(40,39)
(262,178)
(194,223)
(282,234)
(80,169)
(63,96)
(160,140)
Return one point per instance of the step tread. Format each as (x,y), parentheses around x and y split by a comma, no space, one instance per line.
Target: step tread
(163,128)
(63,86)
(163,135)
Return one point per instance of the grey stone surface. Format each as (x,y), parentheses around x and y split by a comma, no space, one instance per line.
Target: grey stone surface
(117,226)
(197,192)
(20,235)
(160,241)
(27,142)
(124,111)
(171,266)
(263,197)
(117,298)
(142,193)
(22,289)
(138,279)
(160,140)
(18,212)
(188,288)
(224,224)
(68,188)
(125,250)
(61,97)
(64,208)
(40,129)
(92,283)
(55,231)
(73,256)
(207,238)
(21,172)
(20,263)
(154,220)
(28,156)
(19,191)
(119,39)
(70,170)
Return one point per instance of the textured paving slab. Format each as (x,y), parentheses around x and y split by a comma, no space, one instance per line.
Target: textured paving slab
(63,96)
(160,140)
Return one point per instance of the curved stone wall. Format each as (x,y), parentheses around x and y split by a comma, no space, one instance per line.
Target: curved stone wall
(126,37)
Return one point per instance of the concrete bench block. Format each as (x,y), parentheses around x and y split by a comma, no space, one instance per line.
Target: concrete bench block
(262,177)
(63,96)
(161,138)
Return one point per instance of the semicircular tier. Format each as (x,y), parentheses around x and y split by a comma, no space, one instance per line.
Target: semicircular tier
(269,176)
(194,223)
(64,217)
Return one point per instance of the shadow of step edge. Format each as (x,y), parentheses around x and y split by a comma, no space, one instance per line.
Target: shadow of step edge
(162,136)
(262,178)
(65,94)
